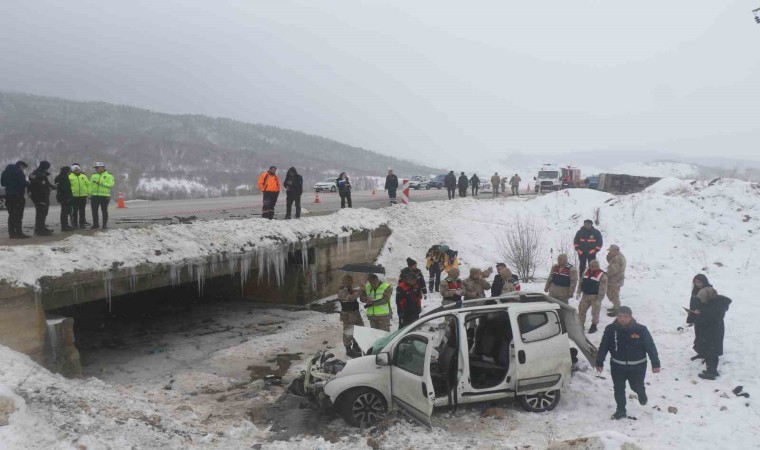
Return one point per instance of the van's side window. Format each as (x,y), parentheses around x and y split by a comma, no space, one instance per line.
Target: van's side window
(537,326)
(410,354)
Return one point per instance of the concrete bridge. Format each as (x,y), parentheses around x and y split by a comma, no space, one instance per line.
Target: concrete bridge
(292,272)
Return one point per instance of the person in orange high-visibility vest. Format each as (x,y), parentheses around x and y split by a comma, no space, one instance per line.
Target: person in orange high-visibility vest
(269,184)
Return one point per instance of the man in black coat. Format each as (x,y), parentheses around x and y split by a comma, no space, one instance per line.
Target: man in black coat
(391,184)
(475,184)
(628,343)
(451,184)
(588,242)
(39,189)
(463,182)
(293,190)
(15,183)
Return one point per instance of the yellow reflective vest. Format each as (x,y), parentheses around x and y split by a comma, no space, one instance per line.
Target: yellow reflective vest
(377,294)
(80,185)
(101,184)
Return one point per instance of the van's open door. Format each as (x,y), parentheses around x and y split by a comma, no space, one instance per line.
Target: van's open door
(411,384)
(542,352)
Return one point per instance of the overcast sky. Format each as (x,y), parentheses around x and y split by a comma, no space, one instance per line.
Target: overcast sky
(431,80)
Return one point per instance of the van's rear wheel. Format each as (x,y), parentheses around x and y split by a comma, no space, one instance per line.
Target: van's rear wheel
(362,407)
(543,401)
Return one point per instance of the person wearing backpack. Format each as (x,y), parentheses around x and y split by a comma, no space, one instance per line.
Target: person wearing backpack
(708,314)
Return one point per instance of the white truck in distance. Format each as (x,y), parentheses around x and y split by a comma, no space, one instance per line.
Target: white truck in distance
(517,345)
(549,178)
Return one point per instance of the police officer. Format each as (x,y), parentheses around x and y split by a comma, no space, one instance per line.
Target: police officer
(628,343)
(377,300)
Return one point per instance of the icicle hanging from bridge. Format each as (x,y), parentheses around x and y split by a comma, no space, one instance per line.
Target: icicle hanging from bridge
(175,274)
(344,245)
(369,240)
(304,256)
(108,286)
(271,262)
(245,269)
(200,275)
(132,279)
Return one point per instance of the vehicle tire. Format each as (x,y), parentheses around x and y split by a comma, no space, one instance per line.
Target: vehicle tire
(541,402)
(440,187)
(333,189)
(362,407)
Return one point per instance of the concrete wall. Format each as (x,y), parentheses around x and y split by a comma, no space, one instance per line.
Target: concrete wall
(22,322)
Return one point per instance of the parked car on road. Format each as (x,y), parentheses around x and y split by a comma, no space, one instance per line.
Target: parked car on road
(437,182)
(517,345)
(419,182)
(329,185)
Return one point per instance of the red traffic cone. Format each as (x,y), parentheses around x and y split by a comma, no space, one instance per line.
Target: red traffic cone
(373,191)
(316,199)
(120,201)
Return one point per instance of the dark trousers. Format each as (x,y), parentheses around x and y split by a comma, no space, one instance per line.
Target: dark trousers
(41,208)
(270,200)
(78,205)
(452,192)
(345,197)
(407,320)
(634,375)
(97,201)
(65,212)
(463,191)
(15,204)
(712,363)
(289,200)
(582,260)
(495,190)
(435,278)
(515,190)
(392,195)
(475,190)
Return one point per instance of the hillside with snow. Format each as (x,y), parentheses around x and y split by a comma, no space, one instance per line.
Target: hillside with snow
(670,232)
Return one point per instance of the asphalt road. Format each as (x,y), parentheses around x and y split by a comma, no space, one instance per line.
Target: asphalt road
(147,213)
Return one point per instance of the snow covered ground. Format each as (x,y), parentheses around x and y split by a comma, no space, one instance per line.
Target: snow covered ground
(168,186)
(657,169)
(669,233)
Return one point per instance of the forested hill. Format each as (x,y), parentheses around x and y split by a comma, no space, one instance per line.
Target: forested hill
(156,155)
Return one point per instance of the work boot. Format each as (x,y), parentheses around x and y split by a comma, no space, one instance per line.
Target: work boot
(643,399)
(592,329)
(67,228)
(619,414)
(708,375)
(43,232)
(95,227)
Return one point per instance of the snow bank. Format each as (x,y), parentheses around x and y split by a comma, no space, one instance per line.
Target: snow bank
(657,169)
(25,265)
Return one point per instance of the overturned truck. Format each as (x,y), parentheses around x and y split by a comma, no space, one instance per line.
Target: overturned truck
(624,184)
(514,346)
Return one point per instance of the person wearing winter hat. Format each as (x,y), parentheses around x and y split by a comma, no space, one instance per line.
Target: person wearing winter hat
(80,190)
(101,183)
(452,288)
(349,313)
(15,183)
(475,285)
(63,195)
(408,300)
(269,185)
(628,343)
(39,190)
(377,300)
(411,267)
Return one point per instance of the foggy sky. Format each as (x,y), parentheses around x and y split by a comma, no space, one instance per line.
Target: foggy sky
(435,81)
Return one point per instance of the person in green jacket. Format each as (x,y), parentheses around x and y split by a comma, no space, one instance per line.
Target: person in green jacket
(80,190)
(101,183)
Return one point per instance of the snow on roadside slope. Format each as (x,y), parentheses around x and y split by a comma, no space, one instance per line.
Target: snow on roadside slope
(173,243)
(667,234)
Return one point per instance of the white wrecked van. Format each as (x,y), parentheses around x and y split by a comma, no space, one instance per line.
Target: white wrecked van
(517,345)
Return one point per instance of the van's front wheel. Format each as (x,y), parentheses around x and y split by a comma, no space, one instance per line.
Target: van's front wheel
(362,407)
(543,401)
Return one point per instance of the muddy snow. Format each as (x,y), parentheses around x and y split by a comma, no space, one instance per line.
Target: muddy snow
(209,391)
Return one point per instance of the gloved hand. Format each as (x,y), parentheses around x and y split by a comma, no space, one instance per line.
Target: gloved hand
(592,251)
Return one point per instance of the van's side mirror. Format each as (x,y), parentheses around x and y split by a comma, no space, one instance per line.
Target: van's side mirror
(382,359)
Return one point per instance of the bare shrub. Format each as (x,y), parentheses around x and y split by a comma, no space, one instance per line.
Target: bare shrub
(522,246)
